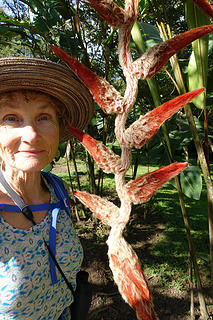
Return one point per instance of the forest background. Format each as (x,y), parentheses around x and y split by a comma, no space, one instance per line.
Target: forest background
(171,232)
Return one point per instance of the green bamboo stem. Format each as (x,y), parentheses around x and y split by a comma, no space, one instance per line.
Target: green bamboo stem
(72,153)
(207,178)
(70,179)
(196,18)
(203,308)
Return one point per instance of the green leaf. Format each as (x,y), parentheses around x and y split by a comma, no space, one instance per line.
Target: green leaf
(40,24)
(58,155)
(150,34)
(210,49)
(62,148)
(143,5)
(145,36)
(64,8)
(198,64)
(195,81)
(191,182)
(67,39)
(137,38)
(49,167)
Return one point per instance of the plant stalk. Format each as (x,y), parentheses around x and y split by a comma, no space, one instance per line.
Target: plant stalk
(72,153)
(207,178)
(203,309)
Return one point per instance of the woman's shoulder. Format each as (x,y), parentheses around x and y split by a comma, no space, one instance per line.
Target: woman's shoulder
(4,197)
(57,183)
(53,178)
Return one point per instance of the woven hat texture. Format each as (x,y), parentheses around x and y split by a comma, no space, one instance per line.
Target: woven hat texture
(54,79)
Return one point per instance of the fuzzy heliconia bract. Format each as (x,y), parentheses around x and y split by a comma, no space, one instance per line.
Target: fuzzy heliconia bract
(123,260)
(205,6)
(156,57)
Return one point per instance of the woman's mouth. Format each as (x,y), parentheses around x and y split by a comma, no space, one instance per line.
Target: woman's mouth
(30,151)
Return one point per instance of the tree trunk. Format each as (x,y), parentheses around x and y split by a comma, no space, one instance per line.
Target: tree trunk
(91,175)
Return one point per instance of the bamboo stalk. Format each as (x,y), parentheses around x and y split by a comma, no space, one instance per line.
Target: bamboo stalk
(192,307)
(74,209)
(203,308)
(75,165)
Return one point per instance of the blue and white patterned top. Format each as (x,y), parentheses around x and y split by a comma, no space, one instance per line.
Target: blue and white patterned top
(26,289)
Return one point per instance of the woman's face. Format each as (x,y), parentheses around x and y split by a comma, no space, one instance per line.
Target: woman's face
(29,130)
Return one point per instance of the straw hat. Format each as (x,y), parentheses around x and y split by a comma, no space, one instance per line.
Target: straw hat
(54,79)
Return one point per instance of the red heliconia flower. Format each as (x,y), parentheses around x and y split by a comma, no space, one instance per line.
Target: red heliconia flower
(105,158)
(146,185)
(156,57)
(104,210)
(143,129)
(106,96)
(113,14)
(205,6)
(123,260)
(130,279)
(110,12)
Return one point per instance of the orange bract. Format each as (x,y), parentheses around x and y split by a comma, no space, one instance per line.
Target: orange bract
(205,6)
(142,130)
(108,98)
(143,187)
(156,57)
(104,210)
(110,12)
(104,157)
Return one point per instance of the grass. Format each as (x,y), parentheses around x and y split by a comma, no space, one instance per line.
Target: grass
(167,202)
(172,251)
(170,262)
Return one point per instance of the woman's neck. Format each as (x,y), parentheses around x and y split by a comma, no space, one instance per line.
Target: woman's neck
(28,185)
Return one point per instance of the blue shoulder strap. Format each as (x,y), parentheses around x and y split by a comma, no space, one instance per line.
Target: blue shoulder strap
(59,188)
(63,197)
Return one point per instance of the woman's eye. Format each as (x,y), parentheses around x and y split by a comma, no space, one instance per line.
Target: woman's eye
(10,119)
(43,117)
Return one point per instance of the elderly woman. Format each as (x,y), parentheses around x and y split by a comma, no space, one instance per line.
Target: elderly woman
(38,100)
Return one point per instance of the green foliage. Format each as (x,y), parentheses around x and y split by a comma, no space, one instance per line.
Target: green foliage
(143,6)
(60,154)
(173,246)
(47,22)
(191,182)
(198,63)
(62,150)
(49,167)
(150,34)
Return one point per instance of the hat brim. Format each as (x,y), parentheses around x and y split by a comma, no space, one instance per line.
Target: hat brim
(54,79)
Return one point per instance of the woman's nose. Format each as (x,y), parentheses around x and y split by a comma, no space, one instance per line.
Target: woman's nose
(29,133)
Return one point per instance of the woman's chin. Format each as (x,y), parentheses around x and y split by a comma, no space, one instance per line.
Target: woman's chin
(29,165)
(34,162)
